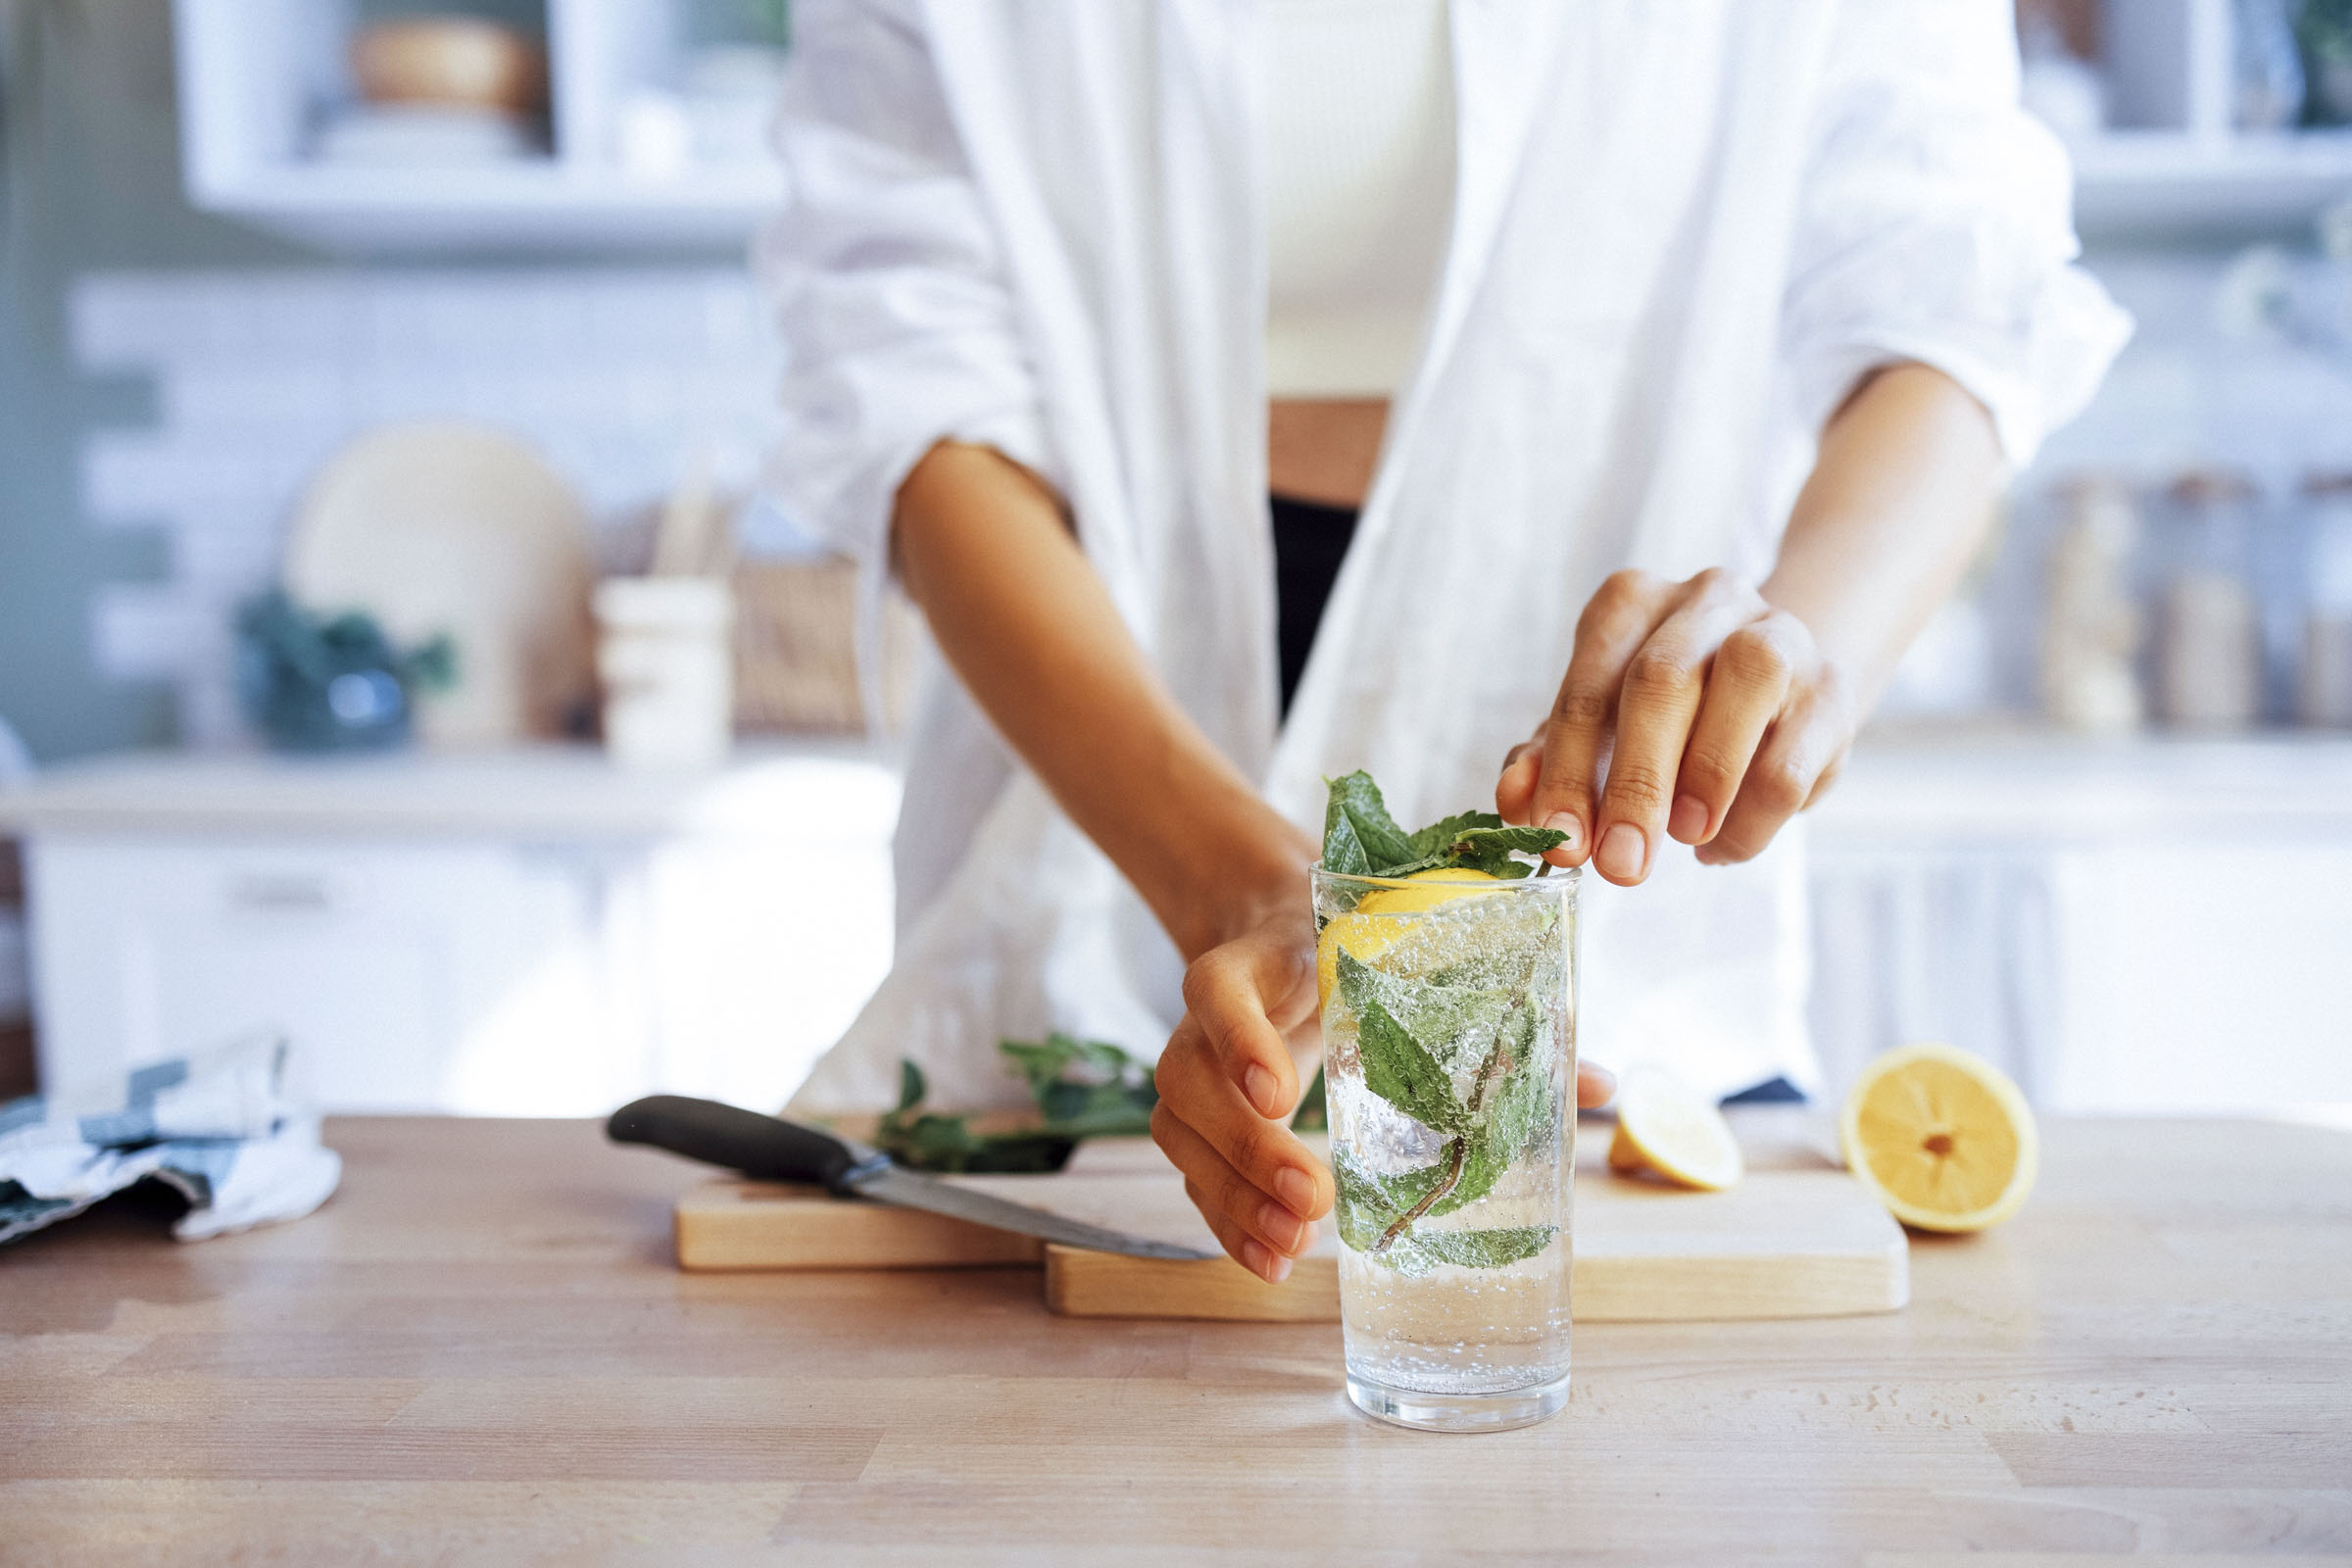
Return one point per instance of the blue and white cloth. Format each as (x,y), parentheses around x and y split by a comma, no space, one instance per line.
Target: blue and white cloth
(223,1128)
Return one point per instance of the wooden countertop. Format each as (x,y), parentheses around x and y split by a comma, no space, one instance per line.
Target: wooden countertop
(478,1350)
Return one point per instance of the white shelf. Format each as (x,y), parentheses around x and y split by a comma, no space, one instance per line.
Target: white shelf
(256,76)
(523,207)
(2170,183)
(255,73)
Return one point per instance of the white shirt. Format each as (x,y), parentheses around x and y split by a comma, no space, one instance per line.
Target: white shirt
(1680,233)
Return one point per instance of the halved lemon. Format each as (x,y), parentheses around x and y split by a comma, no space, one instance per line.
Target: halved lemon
(1368,936)
(1666,1125)
(1942,1136)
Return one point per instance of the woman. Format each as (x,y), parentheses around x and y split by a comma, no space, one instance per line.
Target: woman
(1646,372)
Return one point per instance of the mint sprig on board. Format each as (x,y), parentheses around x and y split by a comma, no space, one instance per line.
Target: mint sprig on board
(1361,839)
(1084,1089)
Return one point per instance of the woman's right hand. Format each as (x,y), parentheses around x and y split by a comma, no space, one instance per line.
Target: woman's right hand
(1231,1077)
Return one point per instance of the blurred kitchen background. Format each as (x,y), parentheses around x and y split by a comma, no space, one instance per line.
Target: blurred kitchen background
(276,267)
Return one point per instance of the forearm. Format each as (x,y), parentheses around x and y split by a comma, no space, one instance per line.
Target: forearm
(1898,503)
(1020,615)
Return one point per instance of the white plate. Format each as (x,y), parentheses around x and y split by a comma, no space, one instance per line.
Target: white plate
(448,528)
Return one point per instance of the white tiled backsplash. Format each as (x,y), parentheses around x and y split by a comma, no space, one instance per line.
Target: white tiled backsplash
(616,376)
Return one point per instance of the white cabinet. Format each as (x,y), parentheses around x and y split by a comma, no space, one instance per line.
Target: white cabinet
(522,936)
(2144,926)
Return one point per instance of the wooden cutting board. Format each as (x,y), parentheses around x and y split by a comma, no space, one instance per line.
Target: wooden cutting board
(1799,1238)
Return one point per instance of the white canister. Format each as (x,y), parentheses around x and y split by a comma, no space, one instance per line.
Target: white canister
(665,654)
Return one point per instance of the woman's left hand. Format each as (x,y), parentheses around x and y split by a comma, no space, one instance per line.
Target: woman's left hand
(1690,708)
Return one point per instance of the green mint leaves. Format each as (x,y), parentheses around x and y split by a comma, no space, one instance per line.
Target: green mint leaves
(1361,839)
(1397,1067)
(1084,1089)
(1495,1248)
(1415,1041)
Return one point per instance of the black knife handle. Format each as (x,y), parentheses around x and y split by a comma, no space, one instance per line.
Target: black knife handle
(763,1147)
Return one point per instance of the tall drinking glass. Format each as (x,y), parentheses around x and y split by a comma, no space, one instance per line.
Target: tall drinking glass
(1449,1057)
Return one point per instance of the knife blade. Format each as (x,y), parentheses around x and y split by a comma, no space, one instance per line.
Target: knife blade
(771,1149)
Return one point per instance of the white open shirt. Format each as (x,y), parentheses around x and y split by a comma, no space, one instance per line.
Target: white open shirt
(1680,233)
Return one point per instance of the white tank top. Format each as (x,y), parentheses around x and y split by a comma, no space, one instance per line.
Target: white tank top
(1358,190)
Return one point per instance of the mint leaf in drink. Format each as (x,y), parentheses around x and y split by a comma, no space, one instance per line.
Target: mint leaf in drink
(1395,1066)
(1513,1111)
(1454,1023)
(1490,848)
(1494,1249)
(1360,837)
(1368,1203)
(1432,842)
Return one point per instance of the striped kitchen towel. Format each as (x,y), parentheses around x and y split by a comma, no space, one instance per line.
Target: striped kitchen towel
(220,1127)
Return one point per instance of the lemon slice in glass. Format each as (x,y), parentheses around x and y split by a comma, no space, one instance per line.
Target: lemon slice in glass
(1942,1136)
(1368,936)
(1665,1124)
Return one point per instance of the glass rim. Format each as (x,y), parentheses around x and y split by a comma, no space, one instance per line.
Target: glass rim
(1561,879)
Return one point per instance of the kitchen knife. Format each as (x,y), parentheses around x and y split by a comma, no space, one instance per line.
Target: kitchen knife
(773,1150)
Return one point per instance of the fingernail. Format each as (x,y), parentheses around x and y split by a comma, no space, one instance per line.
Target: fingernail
(1566,822)
(1689,818)
(1281,1224)
(1295,1189)
(1623,849)
(1258,1084)
(1272,1267)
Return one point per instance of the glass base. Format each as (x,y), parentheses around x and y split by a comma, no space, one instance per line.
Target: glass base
(1459,1413)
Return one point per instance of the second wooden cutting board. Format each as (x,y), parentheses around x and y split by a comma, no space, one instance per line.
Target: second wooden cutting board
(1787,1242)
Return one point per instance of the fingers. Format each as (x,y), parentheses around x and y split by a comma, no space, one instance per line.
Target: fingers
(1228,992)
(1515,790)
(1595,1084)
(1664,683)
(1796,762)
(1747,683)
(1260,1234)
(1577,736)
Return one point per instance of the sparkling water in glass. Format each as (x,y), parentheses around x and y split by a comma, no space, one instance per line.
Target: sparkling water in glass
(1450,1056)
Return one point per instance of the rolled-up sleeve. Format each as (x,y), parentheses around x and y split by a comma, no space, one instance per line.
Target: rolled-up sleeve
(887,278)
(1936,226)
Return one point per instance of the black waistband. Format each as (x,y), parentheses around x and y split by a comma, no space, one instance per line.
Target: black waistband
(1310,540)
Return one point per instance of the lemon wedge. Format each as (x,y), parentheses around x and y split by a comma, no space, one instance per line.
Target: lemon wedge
(1942,1136)
(1368,936)
(1669,1127)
